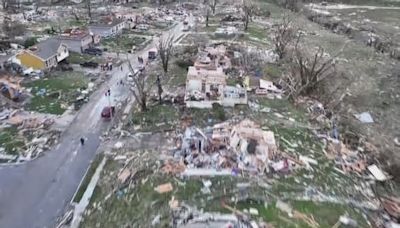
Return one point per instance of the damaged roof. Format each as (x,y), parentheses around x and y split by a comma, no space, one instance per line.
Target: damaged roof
(46,48)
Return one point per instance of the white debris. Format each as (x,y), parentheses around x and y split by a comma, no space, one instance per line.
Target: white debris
(308,160)
(253,211)
(118,145)
(156,220)
(364,117)
(347,221)
(207,172)
(284,207)
(120,157)
(377,173)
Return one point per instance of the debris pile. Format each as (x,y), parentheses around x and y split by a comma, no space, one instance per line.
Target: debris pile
(34,132)
(229,148)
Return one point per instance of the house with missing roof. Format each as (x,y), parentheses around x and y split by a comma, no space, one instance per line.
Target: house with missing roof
(206,87)
(78,40)
(108,28)
(44,55)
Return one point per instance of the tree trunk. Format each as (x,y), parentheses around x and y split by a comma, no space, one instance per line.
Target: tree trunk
(89,9)
(246,24)
(207,16)
(143,104)
(160,90)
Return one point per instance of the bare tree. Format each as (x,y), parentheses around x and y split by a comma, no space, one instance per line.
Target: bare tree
(308,71)
(284,35)
(248,8)
(293,5)
(207,12)
(5,4)
(165,49)
(140,87)
(89,8)
(213,5)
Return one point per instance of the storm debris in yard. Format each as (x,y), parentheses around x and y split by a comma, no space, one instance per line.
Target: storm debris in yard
(164,188)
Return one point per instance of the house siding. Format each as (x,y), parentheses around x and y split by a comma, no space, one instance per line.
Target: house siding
(62,53)
(28,60)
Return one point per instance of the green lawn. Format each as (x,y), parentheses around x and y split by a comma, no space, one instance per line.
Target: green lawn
(60,91)
(78,58)
(157,117)
(257,32)
(123,42)
(10,141)
(86,180)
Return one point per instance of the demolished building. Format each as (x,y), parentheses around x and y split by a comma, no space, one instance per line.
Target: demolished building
(206,81)
(207,87)
(227,149)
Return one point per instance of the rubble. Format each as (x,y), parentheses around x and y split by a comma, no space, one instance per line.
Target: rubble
(228,149)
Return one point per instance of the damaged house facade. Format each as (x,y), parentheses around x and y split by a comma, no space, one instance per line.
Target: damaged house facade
(44,55)
(78,40)
(206,82)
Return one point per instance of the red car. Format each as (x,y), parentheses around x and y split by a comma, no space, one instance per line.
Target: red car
(108,112)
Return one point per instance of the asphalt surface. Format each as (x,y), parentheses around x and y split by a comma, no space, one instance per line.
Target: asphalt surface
(36,193)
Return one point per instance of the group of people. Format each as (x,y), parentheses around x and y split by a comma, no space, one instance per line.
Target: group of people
(106,67)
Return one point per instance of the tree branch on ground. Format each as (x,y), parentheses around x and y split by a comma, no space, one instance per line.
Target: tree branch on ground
(140,88)
(284,35)
(248,8)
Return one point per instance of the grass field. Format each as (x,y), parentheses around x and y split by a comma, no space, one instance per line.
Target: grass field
(53,94)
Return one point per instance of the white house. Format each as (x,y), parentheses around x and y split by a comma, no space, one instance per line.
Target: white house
(107,29)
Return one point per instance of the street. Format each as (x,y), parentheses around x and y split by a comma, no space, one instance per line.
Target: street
(36,193)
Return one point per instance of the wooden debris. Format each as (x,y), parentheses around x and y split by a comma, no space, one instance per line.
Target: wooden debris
(164,188)
(306,218)
(124,175)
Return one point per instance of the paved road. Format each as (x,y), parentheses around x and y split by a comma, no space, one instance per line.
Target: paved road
(35,194)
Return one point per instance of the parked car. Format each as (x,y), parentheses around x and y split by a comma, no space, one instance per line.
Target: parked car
(89,64)
(93,51)
(152,54)
(108,112)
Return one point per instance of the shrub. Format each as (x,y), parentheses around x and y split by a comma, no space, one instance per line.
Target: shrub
(30,42)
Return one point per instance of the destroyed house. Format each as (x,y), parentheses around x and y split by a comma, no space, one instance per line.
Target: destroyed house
(212,58)
(207,87)
(78,40)
(255,146)
(204,87)
(44,55)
